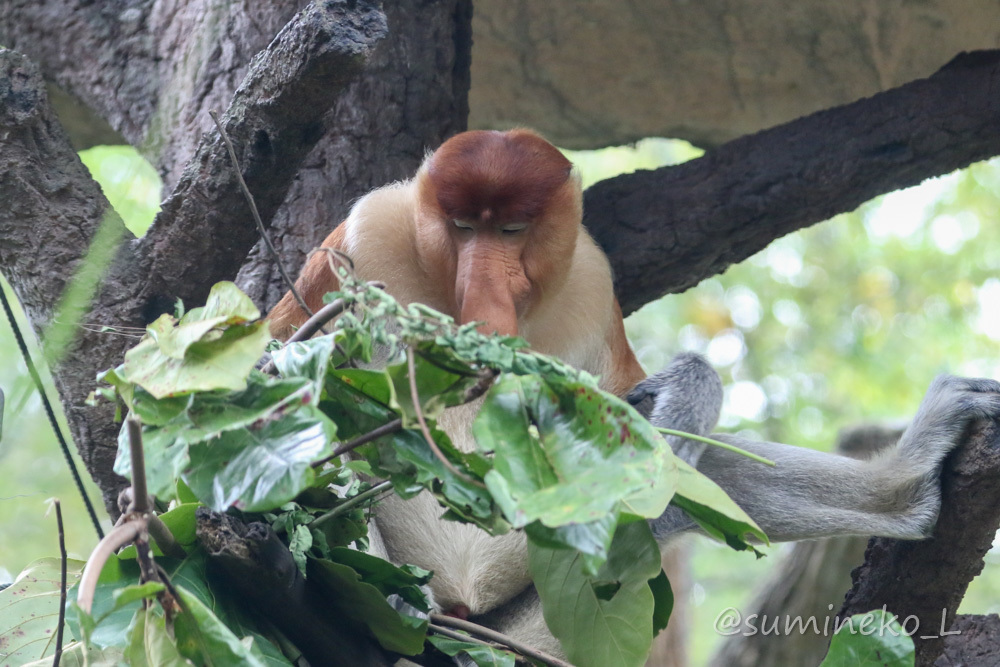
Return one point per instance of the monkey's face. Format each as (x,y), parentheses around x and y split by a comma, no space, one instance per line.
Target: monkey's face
(498,221)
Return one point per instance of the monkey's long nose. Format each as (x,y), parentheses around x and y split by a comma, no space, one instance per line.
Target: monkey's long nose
(488,300)
(484,289)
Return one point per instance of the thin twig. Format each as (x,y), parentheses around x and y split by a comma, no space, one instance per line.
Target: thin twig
(140,493)
(316,322)
(112,542)
(62,585)
(49,412)
(375,434)
(415,397)
(500,638)
(256,215)
(164,538)
(352,502)
(717,443)
(454,634)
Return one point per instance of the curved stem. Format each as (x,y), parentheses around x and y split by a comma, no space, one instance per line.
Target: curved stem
(500,638)
(717,443)
(375,434)
(112,542)
(415,397)
(352,502)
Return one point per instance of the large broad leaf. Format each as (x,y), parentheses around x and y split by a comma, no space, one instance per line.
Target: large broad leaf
(150,644)
(260,467)
(570,456)
(29,610)
(387,578)
(75,654)
(213,347)
(349,597)
(220,363)
(306,359)
(604,619)
(357,400)
(200,635)
(107,624)
(205,416)
(874,639)
(484,655)
(713,510)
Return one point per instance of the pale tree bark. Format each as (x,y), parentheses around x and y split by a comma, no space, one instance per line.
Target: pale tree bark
(341,97)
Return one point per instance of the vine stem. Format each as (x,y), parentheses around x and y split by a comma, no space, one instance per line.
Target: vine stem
(498,637)
(716,443)
(352,502)
(415,396)
(256,215)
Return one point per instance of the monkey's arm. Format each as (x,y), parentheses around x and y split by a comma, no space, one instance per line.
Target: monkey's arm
(315,280)
(810,494)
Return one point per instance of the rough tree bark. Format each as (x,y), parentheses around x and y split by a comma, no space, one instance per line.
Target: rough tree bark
(667,229)
(927,579)
(311,142)
(416,82)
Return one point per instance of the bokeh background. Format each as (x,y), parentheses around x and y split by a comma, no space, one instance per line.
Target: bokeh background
(841,324)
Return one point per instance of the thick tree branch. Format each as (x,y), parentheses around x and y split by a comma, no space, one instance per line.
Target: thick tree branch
(259,569)
(665,230)
(928,579)
(204,231)
(150,70)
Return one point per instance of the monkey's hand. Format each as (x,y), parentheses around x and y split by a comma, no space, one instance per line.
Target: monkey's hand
(685,396)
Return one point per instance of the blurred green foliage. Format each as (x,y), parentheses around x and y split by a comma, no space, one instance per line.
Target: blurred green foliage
(32,469)
(842,323)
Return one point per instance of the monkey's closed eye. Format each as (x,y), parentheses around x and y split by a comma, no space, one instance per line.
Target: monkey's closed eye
(462,225)
(514,229)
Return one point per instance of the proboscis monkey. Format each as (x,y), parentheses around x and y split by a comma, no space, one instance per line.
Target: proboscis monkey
(490,230)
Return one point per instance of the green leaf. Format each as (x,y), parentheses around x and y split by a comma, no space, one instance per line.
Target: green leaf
(349,597)
(603,619)
(306,359)
(205,417)
(714,510)
(404,581)
(225,300)
(571,457)
(300,543)
(123,597)
(182,525)
(482,655)
(874,639)
(107,624)
(149,644)
(75,654)
(200,634)
(442,381)
(212,347)
(115,377)
(663,599)
(261,467)
(221,362)
(29,610)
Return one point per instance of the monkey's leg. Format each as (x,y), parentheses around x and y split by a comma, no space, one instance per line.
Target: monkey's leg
(810,494)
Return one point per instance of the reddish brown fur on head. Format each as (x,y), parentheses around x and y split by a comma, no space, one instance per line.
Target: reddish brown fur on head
(487,175)
(498,221)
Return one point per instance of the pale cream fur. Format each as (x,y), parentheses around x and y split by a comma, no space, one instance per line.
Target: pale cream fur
(570,321)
